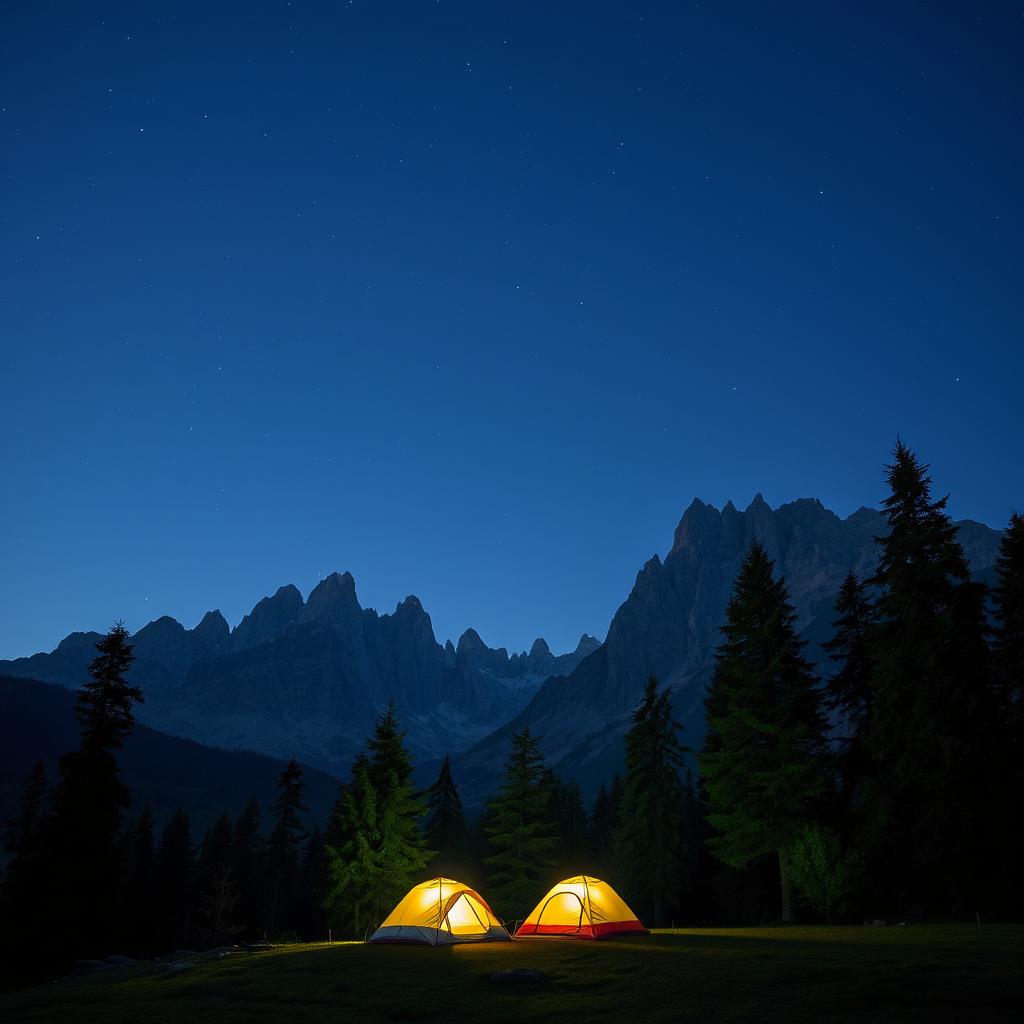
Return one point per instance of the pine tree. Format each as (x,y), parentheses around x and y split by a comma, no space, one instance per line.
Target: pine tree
(1008,667)
(88,802)
(216,885)
(573,851)
(931,722)
(311,922)
(849,689)
(519,828)
(140,913)
(401,851)
(375,849)
(1008,607)
(388,754)
(848,692)
(763,759)
(247,856)
(354,863)
(604,822)
(174,880)
(20,833)
(104,706)
(283,845)
(445,827)
(649,838)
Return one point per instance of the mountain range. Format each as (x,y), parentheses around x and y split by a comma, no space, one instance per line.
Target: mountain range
(306,678)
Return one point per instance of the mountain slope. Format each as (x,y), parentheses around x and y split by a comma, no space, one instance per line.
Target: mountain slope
(307,678)
(37,722)
(669,627)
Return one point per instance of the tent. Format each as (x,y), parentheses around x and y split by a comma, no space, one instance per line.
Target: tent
(441,912)
(583,908)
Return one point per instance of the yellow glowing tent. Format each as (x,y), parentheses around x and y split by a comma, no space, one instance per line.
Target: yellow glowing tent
(581,907)
(439,913)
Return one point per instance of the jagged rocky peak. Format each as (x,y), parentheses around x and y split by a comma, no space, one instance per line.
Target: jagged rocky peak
(697,521)
(587,645)
(540,648)
(213,629)
(470,643)
(163,628)
(269,618)
(78,641)
(333,597)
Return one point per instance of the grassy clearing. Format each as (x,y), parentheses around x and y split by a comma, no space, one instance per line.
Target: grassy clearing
(940,973)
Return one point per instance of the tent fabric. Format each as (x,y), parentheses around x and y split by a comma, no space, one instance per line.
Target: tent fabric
(439,913)
(581,907)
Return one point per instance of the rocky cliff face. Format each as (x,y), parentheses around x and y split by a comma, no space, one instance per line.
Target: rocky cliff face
(669,627)
(307,678)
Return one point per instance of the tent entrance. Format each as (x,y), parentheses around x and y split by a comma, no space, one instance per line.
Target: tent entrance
(563,907)
(460,917)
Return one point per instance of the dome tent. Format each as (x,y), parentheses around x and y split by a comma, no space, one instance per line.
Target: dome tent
(441,912)
(581,907)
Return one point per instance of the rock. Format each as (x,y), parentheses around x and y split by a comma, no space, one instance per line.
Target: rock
(518,976)
(117,960)
(85,966)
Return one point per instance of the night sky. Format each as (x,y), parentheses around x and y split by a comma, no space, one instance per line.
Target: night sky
(472,299)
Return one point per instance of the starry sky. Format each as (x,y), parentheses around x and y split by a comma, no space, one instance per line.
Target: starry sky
(471,299)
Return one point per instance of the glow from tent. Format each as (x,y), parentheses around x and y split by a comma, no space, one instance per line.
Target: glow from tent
(461,918)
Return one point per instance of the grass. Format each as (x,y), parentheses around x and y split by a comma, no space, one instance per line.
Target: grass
(933,973)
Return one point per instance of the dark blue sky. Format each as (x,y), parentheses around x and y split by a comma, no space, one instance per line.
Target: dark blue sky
(472,299)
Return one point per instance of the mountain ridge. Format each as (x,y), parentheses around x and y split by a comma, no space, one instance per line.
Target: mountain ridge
(308,676)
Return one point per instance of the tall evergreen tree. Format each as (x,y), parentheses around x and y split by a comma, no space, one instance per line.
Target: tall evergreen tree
(283,845)
(931,723)
(388,754)
(375,848)
(521,833)
(649,837)
(354,866)
(848,692)
(139,895)
(247,856)
(174,882)
(20,833)
(604,821)
(763,759)
(1008,666)
(573,850)
(445,827)
(311,922)
(216,885)
(849,689)
(104,705)
(1008,606)
(88,802)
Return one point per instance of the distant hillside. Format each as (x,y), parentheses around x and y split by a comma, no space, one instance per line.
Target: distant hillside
(308,678)
(37,721)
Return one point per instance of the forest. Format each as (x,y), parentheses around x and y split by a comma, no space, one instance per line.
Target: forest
(881,786)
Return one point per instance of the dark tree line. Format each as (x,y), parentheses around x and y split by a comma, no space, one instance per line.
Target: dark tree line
(885,789)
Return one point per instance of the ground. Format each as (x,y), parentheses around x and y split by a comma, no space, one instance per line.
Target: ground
(933,973)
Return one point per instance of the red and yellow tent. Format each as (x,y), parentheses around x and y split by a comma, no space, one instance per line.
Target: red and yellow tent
(581,907)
